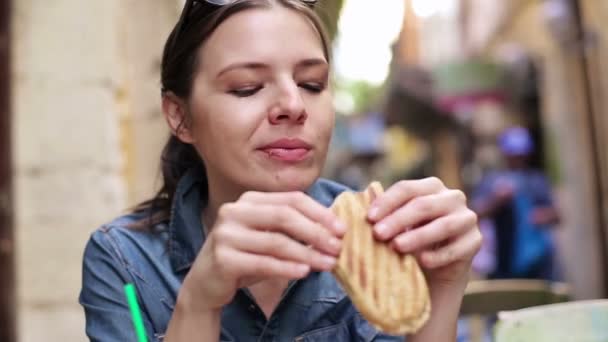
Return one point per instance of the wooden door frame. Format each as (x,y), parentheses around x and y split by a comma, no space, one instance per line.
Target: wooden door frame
(588,50)
(7,258)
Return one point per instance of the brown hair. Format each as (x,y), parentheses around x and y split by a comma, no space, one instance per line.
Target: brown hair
(179,64)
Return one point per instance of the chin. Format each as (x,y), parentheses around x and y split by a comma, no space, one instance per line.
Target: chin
(293,180)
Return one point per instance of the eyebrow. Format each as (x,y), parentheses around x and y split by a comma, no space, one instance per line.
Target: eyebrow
(306,63)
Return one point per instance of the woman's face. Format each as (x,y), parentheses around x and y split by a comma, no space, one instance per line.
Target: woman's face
(262,113)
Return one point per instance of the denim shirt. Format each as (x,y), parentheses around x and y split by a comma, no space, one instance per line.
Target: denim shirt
(312,309)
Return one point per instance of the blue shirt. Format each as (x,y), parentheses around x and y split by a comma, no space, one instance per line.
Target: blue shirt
(156,262)
(534,186)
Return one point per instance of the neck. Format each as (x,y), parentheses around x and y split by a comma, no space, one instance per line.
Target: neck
(215,199)
(218,194)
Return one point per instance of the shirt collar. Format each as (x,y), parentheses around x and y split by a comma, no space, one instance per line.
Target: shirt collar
(185,226)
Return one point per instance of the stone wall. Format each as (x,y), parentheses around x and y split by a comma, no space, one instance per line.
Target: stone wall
(88,132)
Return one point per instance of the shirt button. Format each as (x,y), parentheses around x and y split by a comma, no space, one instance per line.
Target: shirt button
(251,308)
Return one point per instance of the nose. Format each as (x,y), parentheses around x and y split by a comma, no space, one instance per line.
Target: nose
(289,106)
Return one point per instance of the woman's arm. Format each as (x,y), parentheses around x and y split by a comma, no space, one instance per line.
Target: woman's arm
(444,316)
(188,321)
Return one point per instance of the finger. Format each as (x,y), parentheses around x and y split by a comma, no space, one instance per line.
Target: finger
(419,211)
(274,244)
(435,232)
(246,266)
(401,193)
(302,203)
(284,219)
(461,249)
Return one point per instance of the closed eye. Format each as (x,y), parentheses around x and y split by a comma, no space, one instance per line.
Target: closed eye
(245,92)
(313,87)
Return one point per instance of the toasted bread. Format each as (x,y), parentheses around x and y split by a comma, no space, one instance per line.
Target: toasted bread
(388,288)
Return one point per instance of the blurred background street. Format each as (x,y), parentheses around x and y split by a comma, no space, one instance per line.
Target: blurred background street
(504,99)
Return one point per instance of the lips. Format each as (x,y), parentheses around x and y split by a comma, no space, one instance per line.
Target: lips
(287,150)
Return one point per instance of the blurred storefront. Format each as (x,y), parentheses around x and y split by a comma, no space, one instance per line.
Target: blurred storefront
(567,45)
(541,64)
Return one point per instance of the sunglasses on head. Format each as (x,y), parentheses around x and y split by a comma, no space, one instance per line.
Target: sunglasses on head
(190,4)
(228,2)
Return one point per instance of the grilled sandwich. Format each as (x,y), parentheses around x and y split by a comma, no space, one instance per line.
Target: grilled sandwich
(388,288)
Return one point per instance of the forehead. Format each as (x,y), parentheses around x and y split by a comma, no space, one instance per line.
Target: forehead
(269,35)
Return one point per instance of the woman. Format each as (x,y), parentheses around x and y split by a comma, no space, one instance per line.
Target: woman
(224,249)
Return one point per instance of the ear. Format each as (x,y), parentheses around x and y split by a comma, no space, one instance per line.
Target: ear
(175,111)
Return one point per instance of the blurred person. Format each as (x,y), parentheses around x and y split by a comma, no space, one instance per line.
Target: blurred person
(517,202)
(238,243)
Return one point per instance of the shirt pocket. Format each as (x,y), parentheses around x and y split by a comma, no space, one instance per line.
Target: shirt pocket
(333,333)
(365,331)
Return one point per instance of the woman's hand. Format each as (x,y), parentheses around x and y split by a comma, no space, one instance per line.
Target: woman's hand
(433,222)
(261,236)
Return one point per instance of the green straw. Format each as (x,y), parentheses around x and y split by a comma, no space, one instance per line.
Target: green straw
(135,313)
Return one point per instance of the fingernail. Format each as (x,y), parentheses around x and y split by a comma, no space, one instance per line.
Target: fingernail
(403,244)
(373,213)
(335,244)
(381,229)
(329,262)
(340,226)
(302,269)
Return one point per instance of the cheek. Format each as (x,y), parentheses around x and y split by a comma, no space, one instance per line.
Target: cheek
(224,132)
(328,127)
(211,134)
(324,121)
